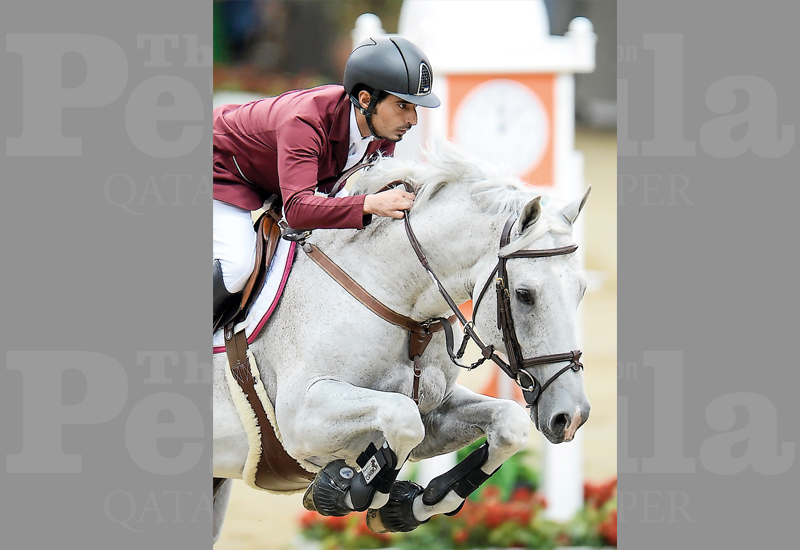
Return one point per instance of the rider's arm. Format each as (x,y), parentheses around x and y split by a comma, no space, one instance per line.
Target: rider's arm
(302,146)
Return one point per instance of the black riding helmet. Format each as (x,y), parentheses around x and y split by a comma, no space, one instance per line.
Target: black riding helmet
(391,64)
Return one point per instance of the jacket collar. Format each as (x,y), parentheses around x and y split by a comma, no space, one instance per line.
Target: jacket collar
(340,129)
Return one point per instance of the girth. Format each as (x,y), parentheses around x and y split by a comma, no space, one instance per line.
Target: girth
(276,470)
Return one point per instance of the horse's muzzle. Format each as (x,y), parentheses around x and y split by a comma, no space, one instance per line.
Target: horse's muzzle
(561,426)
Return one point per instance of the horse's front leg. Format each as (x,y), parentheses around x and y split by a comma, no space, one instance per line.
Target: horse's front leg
(351,425)
(463,418)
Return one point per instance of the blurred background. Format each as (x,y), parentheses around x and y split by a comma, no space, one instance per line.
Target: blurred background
(266,47)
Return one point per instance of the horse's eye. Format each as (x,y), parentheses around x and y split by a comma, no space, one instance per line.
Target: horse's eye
(524,296)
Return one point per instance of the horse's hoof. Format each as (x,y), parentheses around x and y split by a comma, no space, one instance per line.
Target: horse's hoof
(326,493)
(308,499)
(398,514)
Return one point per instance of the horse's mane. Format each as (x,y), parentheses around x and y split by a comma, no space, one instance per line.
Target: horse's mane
(444,163)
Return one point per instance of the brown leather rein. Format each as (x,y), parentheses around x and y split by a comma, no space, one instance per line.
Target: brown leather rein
(420,333)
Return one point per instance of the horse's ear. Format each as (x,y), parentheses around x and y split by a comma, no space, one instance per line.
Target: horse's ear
(574,208)
(530,213)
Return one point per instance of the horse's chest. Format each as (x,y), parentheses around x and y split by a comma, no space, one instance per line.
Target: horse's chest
(432,385)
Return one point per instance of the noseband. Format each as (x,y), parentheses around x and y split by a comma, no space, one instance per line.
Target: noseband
(518,366)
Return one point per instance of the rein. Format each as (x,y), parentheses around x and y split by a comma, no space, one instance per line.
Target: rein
(517,364)
(420,333)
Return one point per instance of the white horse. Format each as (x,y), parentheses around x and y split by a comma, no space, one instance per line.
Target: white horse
(339,376)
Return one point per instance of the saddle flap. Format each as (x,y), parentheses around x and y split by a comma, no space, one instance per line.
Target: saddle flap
(268,234)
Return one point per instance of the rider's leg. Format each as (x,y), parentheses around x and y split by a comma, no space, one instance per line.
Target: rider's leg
(234,253)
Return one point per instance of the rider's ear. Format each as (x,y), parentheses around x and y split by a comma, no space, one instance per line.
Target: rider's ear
(364,98)
(574,208)
(530,214)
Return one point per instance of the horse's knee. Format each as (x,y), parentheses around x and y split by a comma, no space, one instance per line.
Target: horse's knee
(512,433)
(401,422)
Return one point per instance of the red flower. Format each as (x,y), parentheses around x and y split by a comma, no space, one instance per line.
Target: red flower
(597,494)
(309,519)
(520,513)
(336,523)
(609,528)
(491,492)
(461,536)
(473,513)
(522,494)
(495,515)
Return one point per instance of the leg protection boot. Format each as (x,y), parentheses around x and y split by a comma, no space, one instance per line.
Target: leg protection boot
(463,479)
(226,304)
(377,474)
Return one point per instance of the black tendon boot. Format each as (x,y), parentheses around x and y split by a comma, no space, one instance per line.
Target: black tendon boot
(225,303)
(463,479)
(377,474)
(327,494)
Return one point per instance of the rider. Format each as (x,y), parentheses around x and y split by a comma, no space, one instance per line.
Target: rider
(302,141)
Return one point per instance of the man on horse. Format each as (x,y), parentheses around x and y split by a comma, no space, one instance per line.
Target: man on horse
(301,142)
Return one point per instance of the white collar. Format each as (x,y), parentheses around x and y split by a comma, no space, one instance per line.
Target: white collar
(355,133)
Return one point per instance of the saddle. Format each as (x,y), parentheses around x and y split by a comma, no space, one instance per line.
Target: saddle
(268,234)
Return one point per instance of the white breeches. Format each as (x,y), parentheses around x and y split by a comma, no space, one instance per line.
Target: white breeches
(234,244)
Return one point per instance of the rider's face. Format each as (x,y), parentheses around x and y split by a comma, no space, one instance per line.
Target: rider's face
(393,117)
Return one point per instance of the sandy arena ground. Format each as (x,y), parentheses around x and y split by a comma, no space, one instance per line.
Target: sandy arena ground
(257,520)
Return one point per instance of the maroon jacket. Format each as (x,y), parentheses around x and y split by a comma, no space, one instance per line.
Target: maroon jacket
(289,145)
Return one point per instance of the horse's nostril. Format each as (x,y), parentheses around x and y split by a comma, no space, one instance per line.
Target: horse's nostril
(560,422)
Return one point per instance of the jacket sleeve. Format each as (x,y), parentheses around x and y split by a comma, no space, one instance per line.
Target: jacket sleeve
(300,144)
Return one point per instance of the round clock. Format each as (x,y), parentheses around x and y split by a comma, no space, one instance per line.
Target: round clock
(503,121)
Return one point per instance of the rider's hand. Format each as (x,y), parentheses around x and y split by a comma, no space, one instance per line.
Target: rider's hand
(390,203)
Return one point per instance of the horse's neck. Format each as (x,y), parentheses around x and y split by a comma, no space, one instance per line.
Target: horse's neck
(382,259)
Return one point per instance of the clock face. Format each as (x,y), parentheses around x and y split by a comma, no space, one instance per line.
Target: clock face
(503,121)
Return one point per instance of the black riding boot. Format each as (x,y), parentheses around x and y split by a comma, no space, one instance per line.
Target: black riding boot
(226,304)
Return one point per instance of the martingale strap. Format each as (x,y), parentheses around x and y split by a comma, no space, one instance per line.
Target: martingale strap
(419,333)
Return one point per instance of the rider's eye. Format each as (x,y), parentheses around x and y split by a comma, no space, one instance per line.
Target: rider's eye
(524,296)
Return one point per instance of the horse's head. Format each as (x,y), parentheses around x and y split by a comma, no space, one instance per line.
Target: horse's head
(542,284)
(460,206)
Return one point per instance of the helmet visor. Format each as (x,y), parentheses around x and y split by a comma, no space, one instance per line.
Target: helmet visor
(427,100)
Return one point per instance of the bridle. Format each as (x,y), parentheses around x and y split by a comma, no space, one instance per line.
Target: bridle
(517,366)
